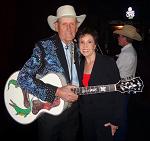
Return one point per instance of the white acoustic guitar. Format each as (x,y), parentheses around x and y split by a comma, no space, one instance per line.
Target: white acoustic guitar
(25,108)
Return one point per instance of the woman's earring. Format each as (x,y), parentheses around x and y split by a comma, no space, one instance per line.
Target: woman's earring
(96,49)
(99,49)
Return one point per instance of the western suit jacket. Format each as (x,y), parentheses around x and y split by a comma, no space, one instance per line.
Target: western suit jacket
(48,56)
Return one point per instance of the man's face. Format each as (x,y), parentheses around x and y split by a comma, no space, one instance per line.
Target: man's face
(122,40)
(66,28)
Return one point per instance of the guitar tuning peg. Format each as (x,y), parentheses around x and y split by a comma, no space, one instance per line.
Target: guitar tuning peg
(129,92)
(134,92)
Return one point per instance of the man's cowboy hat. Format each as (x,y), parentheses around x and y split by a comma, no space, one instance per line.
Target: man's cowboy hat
(65,11)
(130,32)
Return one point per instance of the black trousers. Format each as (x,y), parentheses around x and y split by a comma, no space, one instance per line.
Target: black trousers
(59,128)
(93,130)
(122,132)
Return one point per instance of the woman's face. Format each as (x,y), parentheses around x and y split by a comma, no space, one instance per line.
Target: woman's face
(87,45)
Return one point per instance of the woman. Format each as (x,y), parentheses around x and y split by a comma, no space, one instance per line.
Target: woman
(99,112)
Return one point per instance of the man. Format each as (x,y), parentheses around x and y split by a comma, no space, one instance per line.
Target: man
(52,55)
(127,59)
(127,64)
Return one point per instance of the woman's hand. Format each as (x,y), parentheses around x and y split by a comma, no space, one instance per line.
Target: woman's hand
(113,128)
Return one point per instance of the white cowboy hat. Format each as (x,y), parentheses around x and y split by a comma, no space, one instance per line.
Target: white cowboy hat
(130,32)
(63,11)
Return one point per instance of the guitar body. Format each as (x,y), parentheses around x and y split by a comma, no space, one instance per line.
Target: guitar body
(20,105)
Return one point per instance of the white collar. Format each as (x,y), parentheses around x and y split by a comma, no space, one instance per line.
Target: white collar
(126,46)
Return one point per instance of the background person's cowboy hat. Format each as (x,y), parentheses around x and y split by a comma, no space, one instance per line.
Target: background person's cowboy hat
(65,11)
(130,32)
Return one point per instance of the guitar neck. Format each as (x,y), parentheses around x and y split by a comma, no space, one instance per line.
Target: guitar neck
(95,89)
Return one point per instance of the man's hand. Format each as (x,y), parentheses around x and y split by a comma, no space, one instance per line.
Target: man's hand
(66,94)
(113,128)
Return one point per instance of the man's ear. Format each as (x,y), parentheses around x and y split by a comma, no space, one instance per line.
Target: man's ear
(56,26)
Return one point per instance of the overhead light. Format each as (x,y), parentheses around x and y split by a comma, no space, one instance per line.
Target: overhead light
(117,27)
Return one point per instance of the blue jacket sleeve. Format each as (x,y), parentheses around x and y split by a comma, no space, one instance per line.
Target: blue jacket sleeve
(28,81)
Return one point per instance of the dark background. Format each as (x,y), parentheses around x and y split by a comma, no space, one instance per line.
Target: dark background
(22,23)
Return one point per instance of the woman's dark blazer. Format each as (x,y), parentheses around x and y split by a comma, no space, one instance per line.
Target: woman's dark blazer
(104,106)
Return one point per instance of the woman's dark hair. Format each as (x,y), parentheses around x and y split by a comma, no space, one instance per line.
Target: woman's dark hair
(90,31)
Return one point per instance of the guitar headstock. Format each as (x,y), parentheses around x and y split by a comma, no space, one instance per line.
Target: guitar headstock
(132,85)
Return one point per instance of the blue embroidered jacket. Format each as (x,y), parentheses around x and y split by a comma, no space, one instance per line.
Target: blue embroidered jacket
(48,56)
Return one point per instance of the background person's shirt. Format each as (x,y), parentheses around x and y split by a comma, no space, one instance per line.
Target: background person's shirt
(127,61)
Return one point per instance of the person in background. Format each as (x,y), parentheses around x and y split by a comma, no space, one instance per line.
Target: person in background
(53,55)
(100,112)
(127,59)
(127,65)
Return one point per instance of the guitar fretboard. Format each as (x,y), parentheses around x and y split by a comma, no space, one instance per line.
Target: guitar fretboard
(95,89)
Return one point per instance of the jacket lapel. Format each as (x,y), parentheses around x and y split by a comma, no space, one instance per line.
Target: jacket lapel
(61,56)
